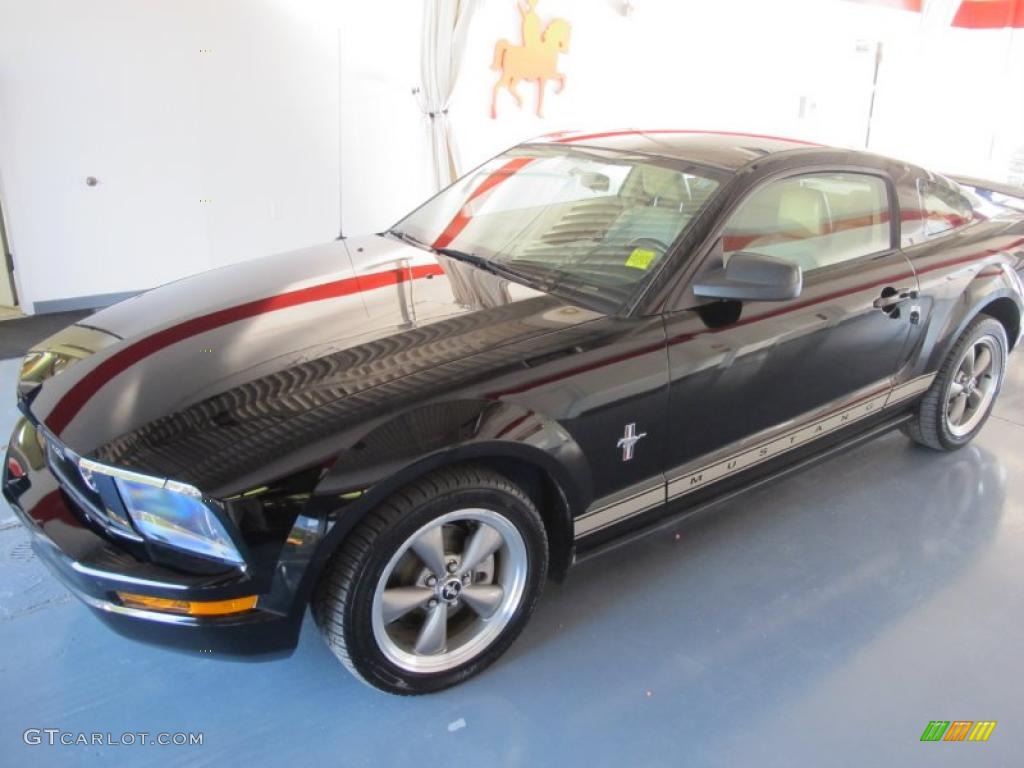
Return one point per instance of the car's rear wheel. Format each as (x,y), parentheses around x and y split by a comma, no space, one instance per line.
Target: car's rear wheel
(961,398)
(435,583)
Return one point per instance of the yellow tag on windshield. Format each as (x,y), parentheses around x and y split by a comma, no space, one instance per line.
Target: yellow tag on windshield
(640,258)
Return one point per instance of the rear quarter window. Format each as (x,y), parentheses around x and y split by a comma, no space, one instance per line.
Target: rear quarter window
(944,209)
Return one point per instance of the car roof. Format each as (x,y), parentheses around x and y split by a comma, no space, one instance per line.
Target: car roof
(726,150)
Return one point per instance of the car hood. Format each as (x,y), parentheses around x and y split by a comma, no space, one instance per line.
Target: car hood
(274,340)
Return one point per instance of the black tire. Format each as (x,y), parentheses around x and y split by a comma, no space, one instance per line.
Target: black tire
(929,426)
(343,603)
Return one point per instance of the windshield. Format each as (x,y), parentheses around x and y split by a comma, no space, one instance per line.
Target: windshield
(586,222)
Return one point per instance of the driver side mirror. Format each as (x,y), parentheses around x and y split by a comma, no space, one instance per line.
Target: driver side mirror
(752,277)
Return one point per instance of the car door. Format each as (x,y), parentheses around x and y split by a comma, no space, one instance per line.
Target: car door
(753,380)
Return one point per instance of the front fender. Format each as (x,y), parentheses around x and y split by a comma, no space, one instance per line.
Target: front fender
(401,448)
(413,443)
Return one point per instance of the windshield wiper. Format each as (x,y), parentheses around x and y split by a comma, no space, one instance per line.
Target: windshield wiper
(469,258)
(495,268)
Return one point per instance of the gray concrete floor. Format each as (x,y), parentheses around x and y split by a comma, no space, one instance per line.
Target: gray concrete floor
(823,620)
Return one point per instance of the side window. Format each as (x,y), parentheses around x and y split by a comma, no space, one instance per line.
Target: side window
(944,208)
(814,220)
(912,216)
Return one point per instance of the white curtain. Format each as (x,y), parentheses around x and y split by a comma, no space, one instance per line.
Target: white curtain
(445,29)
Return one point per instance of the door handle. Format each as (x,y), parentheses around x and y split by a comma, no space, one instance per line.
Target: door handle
(891,298)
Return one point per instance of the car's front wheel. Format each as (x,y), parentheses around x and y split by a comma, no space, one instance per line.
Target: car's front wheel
(961,398)
(436,583)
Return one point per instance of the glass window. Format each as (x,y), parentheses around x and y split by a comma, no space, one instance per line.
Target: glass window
(945,208)
(815,220)
(1005,201)
(1016,169)
(912,218)
(988,203)
(590,223)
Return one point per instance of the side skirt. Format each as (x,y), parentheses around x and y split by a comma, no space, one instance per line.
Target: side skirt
(682,512)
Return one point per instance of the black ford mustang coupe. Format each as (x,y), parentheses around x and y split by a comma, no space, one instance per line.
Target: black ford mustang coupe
(581,339)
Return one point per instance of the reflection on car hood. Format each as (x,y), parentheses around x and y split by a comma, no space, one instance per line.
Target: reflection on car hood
(249,348)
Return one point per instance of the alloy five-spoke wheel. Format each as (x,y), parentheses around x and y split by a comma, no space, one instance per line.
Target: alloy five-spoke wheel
(974,385)
(449,590)
(433,584)
(955,407)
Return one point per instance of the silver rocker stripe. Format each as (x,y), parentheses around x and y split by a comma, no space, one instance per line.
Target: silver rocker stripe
(612,513)
(909,389)
(699,478)
(634,504)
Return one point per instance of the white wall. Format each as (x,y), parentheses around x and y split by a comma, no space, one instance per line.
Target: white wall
(801,68)
(730,65)
(953,100)
(120,89)
(385,170)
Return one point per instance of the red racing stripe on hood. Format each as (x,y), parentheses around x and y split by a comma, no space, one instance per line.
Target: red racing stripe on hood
(76,397)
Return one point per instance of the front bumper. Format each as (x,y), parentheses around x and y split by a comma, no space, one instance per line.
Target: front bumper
(94,567)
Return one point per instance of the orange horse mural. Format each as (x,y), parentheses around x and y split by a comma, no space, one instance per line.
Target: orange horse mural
(536,59)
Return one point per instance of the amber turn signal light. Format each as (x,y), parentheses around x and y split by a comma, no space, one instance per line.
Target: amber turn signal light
(189,607)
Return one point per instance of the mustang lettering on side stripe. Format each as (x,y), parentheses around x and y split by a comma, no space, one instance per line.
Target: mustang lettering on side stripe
(604,515)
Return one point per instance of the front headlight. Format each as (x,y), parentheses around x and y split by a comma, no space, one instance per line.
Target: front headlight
(176,515)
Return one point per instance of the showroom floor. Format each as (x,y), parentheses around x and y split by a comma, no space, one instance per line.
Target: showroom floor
(822,620)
